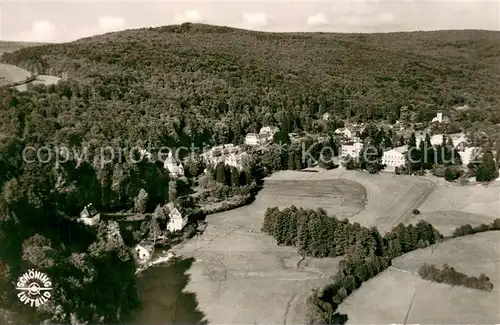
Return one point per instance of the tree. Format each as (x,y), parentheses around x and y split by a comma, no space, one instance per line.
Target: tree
(172,190)
(487,170)
(141,201)
(413,155)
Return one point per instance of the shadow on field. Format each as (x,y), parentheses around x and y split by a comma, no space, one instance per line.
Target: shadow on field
(164,301)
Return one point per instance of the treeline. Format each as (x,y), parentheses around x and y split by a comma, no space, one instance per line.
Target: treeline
(469,230)
(452,277)
(367,253)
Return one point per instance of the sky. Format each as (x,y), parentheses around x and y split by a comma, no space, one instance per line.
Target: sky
(67,20)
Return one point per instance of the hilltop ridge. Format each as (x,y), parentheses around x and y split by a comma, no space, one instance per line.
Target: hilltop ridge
(216,73)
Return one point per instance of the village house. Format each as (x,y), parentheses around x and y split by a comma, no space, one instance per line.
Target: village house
(144,250)
(395,157)
(351,149)
(326,116)
(254,139)
(228,154)
(89,215)
(176,220)
(438,118)
(175,168)
(236,160)
(272,130)
(468,155)
(458,139)
(346,132)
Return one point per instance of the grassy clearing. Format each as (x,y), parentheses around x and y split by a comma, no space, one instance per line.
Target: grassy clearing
(451,206)
(389,198)
(11,74)
(472,199)
(433,303)
(40,80)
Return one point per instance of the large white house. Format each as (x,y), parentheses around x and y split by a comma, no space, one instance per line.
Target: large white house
(437,139)
(89,215)
(394,157)
(271,130)
(346,132)
(468,155)
(174,167)
(438,118)
(176,220)
(352,149)
(144,251)
(228,154)
(326,116)
(254,139)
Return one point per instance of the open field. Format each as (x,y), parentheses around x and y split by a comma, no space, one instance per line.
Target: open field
(11,74)
(390,198)
(433,303)
(242,277)
(450,206)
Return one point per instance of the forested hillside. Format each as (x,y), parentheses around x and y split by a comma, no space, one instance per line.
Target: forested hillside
(138,80)
(192,84)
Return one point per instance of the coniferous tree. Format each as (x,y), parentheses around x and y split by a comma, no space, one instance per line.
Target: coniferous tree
(487,170)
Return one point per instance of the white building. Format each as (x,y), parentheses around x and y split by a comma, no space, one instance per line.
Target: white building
(345,132)
(228,154)
(254,139)
(272,130)
(144,251)
(176,220)
(469,155)
(394,157)
(89,215)
(352,149)
(236,160)
(438,118)
(326,116)
(174,167)
(437,139)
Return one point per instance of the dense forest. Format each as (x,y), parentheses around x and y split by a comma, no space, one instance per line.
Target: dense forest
(230,81)
(193,85)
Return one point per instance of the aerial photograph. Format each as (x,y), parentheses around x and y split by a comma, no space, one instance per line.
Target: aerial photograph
(249,163)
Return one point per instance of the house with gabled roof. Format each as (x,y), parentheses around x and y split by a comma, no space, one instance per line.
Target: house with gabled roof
(175,167)
(176,220)
(89,215)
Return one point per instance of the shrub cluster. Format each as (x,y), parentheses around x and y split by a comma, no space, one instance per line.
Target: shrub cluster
(228,204)
(469,230)
(322,305)
(451,276)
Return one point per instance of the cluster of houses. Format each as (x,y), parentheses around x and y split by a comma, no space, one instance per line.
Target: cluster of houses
(351,145)
(176,222)
(174,166)
(228,154)
(265,136)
